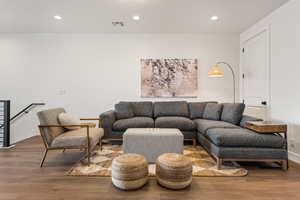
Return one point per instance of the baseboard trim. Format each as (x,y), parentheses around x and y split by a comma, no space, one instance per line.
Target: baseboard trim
(294,157)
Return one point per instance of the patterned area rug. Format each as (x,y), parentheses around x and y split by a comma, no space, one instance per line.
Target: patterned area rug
(203,164)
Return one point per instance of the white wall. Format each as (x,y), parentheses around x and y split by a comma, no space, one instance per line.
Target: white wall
(97,70)
(285,70)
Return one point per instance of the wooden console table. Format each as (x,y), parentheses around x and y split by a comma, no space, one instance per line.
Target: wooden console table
(275,127)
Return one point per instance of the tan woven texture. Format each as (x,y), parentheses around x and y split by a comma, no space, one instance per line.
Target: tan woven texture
(174,171)
(203,164)
(129,171)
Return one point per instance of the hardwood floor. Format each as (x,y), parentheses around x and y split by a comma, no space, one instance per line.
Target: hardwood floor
(22,178)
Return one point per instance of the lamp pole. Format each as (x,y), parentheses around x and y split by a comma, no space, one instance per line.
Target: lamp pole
(233,77)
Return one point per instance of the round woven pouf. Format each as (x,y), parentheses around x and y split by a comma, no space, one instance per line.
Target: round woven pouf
(129,171)
(173,171)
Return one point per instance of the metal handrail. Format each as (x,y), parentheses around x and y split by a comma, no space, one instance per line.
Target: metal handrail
(25,110)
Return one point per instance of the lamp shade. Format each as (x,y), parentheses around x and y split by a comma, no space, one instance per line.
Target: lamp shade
(215,71)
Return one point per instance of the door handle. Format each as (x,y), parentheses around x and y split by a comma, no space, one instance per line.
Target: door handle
(264,103)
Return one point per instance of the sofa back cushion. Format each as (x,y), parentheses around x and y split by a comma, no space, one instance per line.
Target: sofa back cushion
(123,110)
(212,111)
(142,108)
(232,112)
(196,109)
(171,108)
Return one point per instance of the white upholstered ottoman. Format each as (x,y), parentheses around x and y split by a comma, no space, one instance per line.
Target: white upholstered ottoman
(152,142)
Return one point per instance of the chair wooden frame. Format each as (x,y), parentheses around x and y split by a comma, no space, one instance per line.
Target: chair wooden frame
(87,147)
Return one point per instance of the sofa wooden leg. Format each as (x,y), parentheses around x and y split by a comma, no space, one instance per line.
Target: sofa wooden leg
(64,150)
(44,157)
(285,165)
(219,163)
(194,142)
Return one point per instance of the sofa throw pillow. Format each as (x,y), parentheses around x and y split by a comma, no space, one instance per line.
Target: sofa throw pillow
(68,119)
(123,110)
(197,109)
(232,112)
(213,111)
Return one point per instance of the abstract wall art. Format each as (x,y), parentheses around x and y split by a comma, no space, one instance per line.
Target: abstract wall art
(169,77)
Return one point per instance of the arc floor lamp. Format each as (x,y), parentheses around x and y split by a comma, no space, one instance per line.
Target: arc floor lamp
(216,71)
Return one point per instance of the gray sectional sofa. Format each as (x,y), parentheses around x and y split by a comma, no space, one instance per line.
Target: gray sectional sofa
(219,128)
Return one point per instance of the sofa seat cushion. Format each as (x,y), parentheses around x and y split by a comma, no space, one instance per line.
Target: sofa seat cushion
(228,137)
(203,125)
(78,137)
(135,122)
(182,123)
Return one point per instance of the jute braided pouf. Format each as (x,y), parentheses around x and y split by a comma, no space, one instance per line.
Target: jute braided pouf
(129,171)
(173,171)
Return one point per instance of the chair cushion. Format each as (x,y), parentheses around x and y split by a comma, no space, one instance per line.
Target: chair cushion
(240,137)
(197,109)
(142,109)
(232,112)
(203,125)
(135,122)
(78,137)
(212,111)
(182,123)
(171,108)
(123,110)
(68,119)
(50,117)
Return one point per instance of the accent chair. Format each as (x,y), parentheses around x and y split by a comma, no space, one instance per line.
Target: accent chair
(56,136)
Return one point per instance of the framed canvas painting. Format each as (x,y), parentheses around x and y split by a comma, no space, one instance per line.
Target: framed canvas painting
(169,77)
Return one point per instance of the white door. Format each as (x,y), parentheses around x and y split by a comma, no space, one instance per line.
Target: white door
(255,72)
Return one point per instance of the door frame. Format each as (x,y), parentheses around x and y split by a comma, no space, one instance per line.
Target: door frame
(250,36)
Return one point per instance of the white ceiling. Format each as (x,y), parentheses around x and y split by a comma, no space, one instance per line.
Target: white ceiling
(157,16)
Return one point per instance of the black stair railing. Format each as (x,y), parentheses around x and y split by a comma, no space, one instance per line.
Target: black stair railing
(4,123)
(5,120)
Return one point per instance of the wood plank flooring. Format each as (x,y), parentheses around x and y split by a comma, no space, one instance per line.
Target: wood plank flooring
(22,178)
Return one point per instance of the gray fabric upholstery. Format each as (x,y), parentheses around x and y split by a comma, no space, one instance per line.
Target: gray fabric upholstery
(123,110)
(189,134)
(182,123)
(203,125)
(135,122)
(240,137)
(142,109)
(107,120)
(242,152)
(50,117)
(212,111)
(247,118)
(78,137)
(171,108)
(196,109)
(140,141)
(232,112)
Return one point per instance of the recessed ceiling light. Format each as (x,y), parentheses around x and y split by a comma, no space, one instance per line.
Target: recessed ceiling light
(57,17)
(136,17)
(214,18)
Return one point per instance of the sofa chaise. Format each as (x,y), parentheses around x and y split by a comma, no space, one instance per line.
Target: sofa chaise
(219,128)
